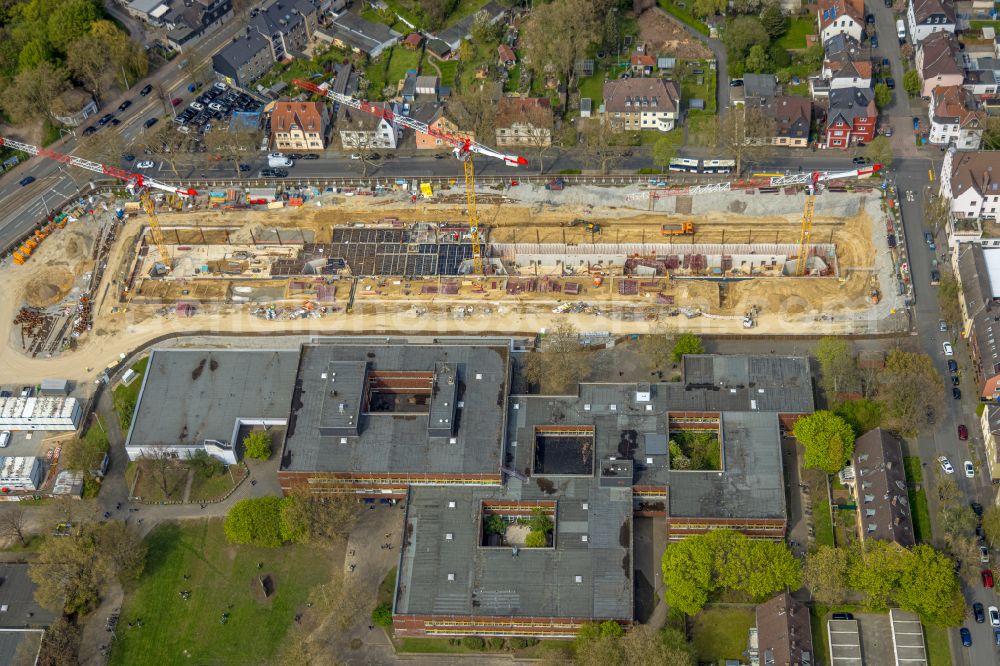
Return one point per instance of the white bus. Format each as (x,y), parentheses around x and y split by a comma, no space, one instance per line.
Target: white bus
(685,164)
(718,166)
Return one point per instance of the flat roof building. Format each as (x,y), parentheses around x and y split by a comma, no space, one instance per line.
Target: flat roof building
(40,413)
(194,399)
(20,473)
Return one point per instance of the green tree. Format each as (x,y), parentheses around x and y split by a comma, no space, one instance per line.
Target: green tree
(205,464)
(813,57)
(911,82)
(746,134)
(536,539)
(667,647)
(929,587)
(687,574)
(706,8)
(255,521)
(84,455)
(826,574)
(774,20)
(745,6)
(33,91)
(558,34)
(828,441)
(664,149)
(687,343)
(742,33)
(382,615)
(862,415)
(495,524)
(316,519)
(874,571)
(657,346)
(756,60)
(883,96)
(838,369)
(991,525)
(34,53)
(540,521)
(257,444)
(909,388)
(71,20)
(879,151)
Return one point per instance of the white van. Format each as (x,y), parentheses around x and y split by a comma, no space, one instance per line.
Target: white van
(900,30)
(278,160)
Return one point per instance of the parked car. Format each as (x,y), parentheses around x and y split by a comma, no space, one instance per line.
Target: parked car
(984,554)
(150,122)
(859,161)
(916,123)
(966,637)
(890,83)
(956,393)
(27,180)
(176,101)
(197,106)
(963,433)
(978,613)
(244,168)
(987,578)
(945,465)
(146,90)
(90,130)
(952,365)
(935,278)
(128,157)
(942,325)
(310,156)
(996,636)
(124,105)
(994,616)
(736,83)
(948,350)
(145,164)
(842,616)
(870,19)
(970,470)
(875,41)
(105,119)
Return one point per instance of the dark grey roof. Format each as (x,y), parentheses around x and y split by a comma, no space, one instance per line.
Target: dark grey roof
(397,443)
(841,44)
(463,28)
(763,86)
(190,395)
(880,484)
(241,51)
(538,582)
(282,15)
(17,593)
(978,295)
(360,33)
(11,649)
(754,383)
(848,103)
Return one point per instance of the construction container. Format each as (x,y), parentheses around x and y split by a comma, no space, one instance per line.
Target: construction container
(276,204)
(295,201)
(677,229)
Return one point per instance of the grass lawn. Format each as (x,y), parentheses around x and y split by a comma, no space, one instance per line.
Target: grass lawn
(918,499)
(938,651)
(125,397)
(223,578)
(721,633)
(447,68)
(683,15)
(701,129)
(823,523)
(216,487)
(386,589)
(398,8)
(150,489)
(593,87)
(705,91)
(798,28)
(431,646)
(979,25)
(403,60)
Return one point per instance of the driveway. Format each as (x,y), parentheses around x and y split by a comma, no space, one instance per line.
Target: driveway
(721,60)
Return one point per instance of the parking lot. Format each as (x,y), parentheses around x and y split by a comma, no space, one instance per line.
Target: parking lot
(214,106)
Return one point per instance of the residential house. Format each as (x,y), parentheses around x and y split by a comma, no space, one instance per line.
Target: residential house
(980,314)
(243,61)
(989,421)
(982,83)
(350,31)
(642,64)
(359,129)
(880,489)
(757,90)
(427,85)
(524,121)
(851,117)
(507,57)
(939,62)
(299,126)
(925,17)
(188,22)
(843,47)
(149,11)
(454,35)
(413,41)
(73,106)
(782,635)
(345,82)
(955,118)
(970,181)
(841,17)
(793,118)
(279,30)
(848,73)
(437,121)
(637,104)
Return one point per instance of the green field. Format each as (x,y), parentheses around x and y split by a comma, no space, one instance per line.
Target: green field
(918,499)
(798,28)
(721,633)
(701,127)
(447,68)
(223,578)
(938,650)
(823,522)
(690,89)
(125,397)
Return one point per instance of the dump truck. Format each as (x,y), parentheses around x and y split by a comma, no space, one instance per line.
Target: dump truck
(677,229)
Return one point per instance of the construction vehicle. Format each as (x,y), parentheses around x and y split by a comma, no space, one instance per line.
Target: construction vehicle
(677,229)
(136,183)
(750,318)
(592,227)
(462,148)
(556,184)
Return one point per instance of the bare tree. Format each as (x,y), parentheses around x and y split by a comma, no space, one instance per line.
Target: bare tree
(746,134)
(13,524)
(540,130)
(560,363)
(603,145)
(160,463)
(474,110)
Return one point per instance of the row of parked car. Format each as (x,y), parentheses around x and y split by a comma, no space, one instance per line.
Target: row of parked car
(216,103)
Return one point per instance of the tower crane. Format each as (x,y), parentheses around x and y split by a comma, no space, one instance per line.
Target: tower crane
(136,183)
(463,149)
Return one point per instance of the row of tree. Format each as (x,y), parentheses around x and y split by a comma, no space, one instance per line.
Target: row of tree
(919,579)
(701,565)
(300,517)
